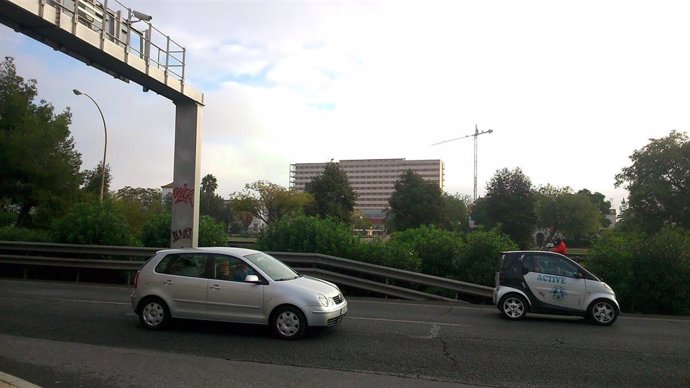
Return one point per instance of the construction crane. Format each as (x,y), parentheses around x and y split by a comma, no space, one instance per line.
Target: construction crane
(474,135)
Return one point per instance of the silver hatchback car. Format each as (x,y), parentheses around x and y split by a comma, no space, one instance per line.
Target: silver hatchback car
(233,285)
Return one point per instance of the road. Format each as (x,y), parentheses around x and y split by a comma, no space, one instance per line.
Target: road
(67,335)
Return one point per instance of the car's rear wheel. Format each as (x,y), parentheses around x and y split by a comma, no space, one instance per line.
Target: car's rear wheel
(154,313)
(513,306)
(603,312)
(288,322)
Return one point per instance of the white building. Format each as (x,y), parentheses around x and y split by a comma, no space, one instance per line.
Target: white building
(373,180)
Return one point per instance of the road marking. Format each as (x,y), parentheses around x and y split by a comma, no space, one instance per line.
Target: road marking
(444,306)
(86,301)
(412,322)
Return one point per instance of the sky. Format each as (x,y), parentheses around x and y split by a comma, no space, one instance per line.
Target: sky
(570,88)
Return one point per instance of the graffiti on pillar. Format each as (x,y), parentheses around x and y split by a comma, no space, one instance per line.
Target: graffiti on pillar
(181,233)
(183,195)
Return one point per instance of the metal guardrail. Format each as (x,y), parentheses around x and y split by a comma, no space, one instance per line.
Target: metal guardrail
(370,277)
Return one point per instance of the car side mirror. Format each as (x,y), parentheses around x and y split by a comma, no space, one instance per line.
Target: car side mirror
(252,279)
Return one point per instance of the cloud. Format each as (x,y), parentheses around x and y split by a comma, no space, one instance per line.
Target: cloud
(569,90)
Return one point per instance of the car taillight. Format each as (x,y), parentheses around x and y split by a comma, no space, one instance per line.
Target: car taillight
(136,279)
(500,279)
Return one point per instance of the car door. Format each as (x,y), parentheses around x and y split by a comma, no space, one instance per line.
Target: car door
(182,281)
(555,281)
(232,299)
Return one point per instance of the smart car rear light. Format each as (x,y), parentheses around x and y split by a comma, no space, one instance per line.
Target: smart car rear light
(136,279)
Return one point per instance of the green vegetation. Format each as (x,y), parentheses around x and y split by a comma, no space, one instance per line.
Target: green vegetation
(650,273)
(44,197)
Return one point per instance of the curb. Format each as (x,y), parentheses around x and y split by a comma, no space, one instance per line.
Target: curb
(9,381)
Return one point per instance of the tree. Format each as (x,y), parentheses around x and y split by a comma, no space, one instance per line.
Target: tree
(581,219)
(658,183)
(156,231)
(211,233)
(212,204)
(455,216)
(138,205)
(550,214)
(600,202)
(414,202)
(92,180)
(268,201)
(39,170)
(333,196)
(510,205)
(97,223)
(209,184)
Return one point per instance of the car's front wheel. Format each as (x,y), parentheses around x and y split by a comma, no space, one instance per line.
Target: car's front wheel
(288,322)
(603,312)
(154,313)
(513,306)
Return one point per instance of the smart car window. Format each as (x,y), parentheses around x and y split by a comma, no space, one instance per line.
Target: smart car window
(565,268)
(191,265)
(529,264)
(545,264)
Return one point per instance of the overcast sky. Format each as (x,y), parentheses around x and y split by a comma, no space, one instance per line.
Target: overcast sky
(570,88)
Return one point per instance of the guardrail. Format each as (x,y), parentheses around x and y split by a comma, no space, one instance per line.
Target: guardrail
(378,279)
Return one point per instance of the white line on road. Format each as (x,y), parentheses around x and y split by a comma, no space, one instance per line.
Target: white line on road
(412,322)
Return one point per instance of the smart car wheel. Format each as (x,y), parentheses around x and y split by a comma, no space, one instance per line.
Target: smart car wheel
(288,322)
(513,306)
(154,313)
(603,312)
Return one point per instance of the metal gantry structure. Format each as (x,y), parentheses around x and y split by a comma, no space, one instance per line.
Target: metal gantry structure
(122,42)
(473,135)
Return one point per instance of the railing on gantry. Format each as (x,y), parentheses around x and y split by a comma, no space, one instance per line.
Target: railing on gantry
(120,24)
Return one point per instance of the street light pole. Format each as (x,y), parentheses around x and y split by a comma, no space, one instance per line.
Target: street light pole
(105,143)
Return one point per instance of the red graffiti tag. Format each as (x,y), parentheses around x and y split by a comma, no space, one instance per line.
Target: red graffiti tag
(183,194)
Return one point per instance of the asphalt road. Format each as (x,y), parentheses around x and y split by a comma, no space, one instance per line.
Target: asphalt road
(66,335)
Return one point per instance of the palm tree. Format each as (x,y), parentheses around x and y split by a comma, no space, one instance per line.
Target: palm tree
(209,184)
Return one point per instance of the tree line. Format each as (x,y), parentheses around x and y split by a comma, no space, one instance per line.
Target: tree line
(46,196)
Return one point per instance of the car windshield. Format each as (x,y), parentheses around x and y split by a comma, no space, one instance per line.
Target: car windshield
(274,268)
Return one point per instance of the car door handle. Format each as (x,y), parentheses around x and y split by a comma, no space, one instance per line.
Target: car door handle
(168,282)
(215,287)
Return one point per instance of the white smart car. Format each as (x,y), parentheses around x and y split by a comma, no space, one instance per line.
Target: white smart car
(550,283)
(233,285)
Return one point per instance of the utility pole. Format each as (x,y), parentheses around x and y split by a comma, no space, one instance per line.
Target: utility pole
(474,135)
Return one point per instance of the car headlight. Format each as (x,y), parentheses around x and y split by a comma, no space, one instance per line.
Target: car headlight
(323,301)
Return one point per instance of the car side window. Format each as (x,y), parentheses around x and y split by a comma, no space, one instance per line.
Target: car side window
(190,265)
(566,268)
(544,264)
(232,269)
(554,265)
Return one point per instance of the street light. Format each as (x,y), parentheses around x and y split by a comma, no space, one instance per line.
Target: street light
(105,144)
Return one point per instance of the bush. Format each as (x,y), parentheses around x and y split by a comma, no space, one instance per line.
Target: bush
(391,253)
(8,218)
(97,223)
(650,273)
(12,233)
(479,257)
(437,248)
(309,235)
(156,232)
(211,233)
